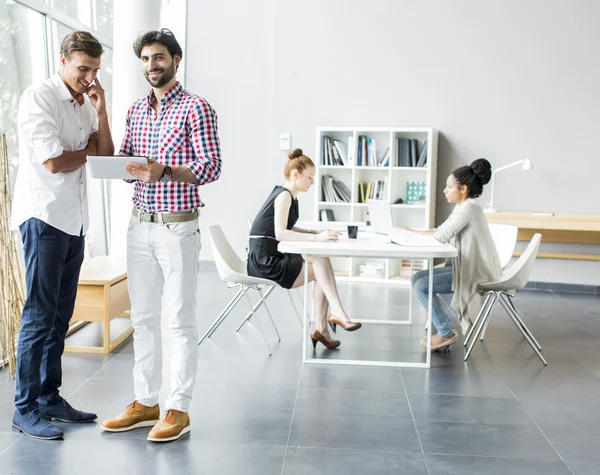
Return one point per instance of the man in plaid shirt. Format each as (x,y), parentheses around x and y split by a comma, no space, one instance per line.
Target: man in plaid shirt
(177,131)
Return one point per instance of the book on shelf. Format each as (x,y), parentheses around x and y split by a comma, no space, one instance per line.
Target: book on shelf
(372,270)
(326,215)
(423,157)
(416,192)
(414,151)
(407,154)
(367,152)
(403,150)
(334,191)
(384,161)
(370,190)
(405,268)
(333,152)
(342,151)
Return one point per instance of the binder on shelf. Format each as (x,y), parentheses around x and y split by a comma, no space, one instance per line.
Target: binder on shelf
(414,152)
(327,215)
(385,158)
(334,191)
(403,151)
(342,151)
(423,157)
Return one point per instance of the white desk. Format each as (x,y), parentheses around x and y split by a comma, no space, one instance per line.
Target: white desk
(365,247)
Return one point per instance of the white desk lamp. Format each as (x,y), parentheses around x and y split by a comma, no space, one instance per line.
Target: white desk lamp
(526,163)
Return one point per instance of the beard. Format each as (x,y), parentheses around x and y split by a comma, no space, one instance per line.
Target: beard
(160,81)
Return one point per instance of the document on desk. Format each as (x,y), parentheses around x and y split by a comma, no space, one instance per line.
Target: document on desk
(412,239)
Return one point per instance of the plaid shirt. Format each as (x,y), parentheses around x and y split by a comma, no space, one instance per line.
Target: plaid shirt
(183,133)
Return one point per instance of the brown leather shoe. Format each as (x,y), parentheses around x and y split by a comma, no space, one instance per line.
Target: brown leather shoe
(349,327)
(171,427)
(317,336)
(136,415)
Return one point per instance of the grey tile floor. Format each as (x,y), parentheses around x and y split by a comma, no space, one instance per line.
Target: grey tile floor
(501,413)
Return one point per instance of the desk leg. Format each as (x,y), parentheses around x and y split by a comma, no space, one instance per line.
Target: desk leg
(429,312)
(305,313)
(410,293)
(106,324)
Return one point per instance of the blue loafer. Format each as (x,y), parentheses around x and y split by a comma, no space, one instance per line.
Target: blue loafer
(63,412)
(33,425)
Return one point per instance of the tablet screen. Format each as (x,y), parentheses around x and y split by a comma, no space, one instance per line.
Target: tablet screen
(112,168)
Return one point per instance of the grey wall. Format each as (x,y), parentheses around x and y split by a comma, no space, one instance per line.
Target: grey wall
(504,80)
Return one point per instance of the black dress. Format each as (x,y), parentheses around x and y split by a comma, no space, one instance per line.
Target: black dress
(264,260)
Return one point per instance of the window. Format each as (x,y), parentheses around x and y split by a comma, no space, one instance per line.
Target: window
(81,10)
(30,36)
(104,16)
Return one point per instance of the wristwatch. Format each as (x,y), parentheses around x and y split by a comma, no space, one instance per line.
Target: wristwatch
(167,174)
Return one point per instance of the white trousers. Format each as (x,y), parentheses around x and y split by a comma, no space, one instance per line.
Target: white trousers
(164,258)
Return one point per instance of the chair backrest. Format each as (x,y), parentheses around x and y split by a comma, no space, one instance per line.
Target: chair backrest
(505,238)
(229,265)
(517,275)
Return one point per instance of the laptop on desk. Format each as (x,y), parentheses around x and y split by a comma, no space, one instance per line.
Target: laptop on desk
(380,213)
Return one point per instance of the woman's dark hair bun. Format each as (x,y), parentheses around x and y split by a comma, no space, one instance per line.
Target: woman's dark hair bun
(483,170)
(474,176)
(295,154)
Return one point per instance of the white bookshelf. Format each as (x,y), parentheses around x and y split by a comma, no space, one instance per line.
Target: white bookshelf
(420,215)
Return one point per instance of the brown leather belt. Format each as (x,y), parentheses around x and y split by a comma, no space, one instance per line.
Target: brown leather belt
(178,217)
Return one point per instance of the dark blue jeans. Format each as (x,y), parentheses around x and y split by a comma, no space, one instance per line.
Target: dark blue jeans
(52,260)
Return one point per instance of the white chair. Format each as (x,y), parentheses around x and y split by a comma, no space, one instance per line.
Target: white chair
(514,278)
(232,270)
(259,303)
(505,238)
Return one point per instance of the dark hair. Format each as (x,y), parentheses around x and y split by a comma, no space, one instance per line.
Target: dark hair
(297,161)
(83,42)
(165,37)
(474,176)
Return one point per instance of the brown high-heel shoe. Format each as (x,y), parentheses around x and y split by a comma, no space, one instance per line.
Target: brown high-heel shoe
(349,327)
(316,336)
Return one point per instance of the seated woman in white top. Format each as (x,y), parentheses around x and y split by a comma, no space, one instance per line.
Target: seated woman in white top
(275,222)
(477,261)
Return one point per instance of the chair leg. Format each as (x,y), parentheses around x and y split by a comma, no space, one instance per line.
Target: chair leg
(258,325)
(482,323)
(520,320)
(515,321)
(479,315)
(289,292)
(255,308)
(485,327)
(226,311)
(269,313)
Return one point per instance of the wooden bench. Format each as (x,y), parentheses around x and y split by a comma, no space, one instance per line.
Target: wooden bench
(102,296)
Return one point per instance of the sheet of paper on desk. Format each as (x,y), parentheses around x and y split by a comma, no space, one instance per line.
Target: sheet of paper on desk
(375,237)
(407,238)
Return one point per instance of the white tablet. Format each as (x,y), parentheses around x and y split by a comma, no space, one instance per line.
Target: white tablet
(112,167)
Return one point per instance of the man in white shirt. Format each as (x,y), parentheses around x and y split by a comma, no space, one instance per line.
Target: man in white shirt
(58,128)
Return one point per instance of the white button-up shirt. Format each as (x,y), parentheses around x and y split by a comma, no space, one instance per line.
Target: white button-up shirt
(50,122)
